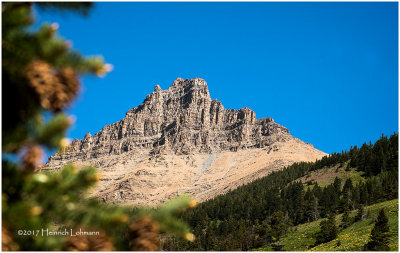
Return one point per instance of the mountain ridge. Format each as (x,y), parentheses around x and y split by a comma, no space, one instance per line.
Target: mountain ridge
(179,132)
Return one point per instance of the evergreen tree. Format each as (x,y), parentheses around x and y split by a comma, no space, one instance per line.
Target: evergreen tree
(379,234)
(311,206)
(360,214)
(279,225)
(337,184)
(328,230)
(347,198)
(346,220)
(329,200)
(40,78)
(264,232)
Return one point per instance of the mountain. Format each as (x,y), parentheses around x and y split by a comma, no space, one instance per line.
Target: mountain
(180,140)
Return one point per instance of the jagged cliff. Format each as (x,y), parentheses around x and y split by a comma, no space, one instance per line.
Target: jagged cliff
(179,140)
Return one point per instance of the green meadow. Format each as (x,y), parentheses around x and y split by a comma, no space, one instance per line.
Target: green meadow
(353,238)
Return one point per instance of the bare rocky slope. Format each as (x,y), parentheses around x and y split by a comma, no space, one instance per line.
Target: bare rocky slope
(180,141)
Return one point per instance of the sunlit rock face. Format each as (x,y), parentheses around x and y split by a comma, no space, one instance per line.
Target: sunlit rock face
(180,140)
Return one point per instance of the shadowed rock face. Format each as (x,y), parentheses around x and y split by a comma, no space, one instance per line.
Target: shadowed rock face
(178,130)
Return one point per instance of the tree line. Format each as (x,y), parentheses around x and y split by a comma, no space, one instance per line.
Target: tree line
(261,212)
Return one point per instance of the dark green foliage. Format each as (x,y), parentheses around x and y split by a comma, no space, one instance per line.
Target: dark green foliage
(311,212)
(347,167)
(360,214)
(377,158)
(255,208)
(348,196)
(329,200)
(328,230)
(293,201)
(39,80)
(346,220)
(379,234)
(21,48)
(279,224)
(337,185)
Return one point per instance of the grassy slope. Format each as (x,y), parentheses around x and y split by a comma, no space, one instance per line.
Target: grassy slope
(326,176)
(353,238)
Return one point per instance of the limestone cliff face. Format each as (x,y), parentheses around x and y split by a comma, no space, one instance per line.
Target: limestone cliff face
(183,119)
(180,123)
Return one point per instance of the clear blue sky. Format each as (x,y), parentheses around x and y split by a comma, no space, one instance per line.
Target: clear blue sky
(326,71)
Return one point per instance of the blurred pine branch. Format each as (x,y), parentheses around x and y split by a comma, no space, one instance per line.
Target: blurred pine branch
(40,76)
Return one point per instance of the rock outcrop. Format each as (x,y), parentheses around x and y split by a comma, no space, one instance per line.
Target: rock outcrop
(180,140)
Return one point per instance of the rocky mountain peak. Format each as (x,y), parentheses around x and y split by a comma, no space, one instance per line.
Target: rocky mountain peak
(180,140)
(182,118)
(157,88)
